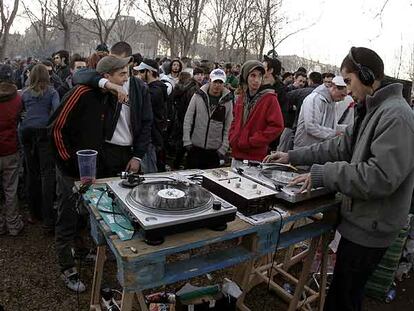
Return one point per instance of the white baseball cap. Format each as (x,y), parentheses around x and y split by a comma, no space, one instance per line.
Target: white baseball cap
(338,81)
(218,74)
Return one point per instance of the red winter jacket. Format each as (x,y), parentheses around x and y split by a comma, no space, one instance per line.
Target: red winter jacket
(10,108)
(264,125)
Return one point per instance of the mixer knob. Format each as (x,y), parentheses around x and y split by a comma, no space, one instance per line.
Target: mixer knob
(216,205)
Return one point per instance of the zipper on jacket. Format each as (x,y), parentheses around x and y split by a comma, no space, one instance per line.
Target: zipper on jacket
(207,104)
(209,115)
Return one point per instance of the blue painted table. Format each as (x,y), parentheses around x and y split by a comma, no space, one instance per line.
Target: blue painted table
(141,266)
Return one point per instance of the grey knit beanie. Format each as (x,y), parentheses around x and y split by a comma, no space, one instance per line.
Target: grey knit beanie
(248,67)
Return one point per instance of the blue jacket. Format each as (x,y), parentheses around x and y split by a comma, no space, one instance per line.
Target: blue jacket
(39,108)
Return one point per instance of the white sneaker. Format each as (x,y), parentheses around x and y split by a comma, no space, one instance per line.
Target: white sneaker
(71,279)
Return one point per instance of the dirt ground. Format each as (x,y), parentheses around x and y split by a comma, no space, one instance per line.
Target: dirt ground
(29,280)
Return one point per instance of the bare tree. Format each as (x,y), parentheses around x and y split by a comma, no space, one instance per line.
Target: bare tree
(102,26)
(65,16)
(244,29)
(266,8)
(42,24)
(234,28)
(399,56)
(411,65)
(7,18)
(221,24)
(125,28)
(278,24)
(411,69)
(177,21)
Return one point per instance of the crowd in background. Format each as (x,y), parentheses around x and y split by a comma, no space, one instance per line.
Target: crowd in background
(146,115)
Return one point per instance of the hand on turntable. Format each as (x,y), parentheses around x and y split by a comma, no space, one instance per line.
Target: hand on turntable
(278,157)
(133,166)
(305,180)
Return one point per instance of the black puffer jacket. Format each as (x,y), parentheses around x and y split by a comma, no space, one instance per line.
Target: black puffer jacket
(159,96)
(182,96)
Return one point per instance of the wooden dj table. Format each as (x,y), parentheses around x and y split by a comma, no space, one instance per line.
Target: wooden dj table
(141,266)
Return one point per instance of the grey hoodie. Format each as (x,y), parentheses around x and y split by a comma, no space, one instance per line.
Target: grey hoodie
(316,120)
(205,126)
(375,173)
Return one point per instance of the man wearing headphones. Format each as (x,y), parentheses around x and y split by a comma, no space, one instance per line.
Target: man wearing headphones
(371,166)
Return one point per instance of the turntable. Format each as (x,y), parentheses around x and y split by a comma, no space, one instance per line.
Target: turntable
(277,177)
(162,205)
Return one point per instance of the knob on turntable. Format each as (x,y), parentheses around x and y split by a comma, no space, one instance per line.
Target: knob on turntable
(216,205)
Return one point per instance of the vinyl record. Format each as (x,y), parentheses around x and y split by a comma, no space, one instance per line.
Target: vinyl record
(170,197)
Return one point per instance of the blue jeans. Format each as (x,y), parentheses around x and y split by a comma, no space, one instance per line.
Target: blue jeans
(149,161)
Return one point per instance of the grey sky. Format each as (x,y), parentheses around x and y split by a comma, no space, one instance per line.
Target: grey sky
(340,25)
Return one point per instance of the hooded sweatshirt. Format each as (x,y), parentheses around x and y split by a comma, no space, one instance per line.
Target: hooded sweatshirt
(251,134)
(207,126)
(10,108)
(316,121)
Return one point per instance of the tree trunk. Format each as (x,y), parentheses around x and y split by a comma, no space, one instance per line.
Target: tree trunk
(218,40)
(66,38)
(264,26)
(4,43)
(173,48)
(7,22)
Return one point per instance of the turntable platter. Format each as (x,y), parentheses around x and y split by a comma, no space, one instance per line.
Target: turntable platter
(170,197)
(278,177)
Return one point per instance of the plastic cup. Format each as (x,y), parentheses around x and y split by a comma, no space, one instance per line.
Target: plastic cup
(87,165)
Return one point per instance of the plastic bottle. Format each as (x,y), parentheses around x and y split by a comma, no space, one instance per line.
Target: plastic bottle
(288,288)
(392,293)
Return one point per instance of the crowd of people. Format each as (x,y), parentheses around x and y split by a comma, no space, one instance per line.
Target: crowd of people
(147,115)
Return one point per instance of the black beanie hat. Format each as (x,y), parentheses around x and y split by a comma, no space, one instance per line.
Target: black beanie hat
(197,71)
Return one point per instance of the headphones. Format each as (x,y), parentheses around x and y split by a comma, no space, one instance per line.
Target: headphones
(365,74)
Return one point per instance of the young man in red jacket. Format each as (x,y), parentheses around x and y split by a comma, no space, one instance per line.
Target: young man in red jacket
(257,119)
(10,108)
